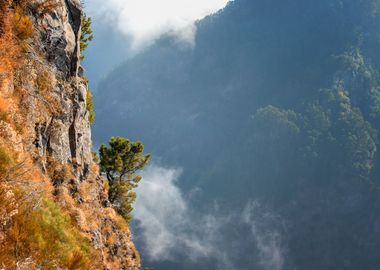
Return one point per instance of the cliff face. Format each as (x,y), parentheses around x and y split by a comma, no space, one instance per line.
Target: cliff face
(44,127)
(65,134)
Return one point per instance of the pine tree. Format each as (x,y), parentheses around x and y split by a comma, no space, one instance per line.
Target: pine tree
(120,162)
(86,34)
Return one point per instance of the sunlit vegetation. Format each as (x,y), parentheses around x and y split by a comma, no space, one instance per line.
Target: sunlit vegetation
(44,81)
(6,160)
(86,34)
(120,161)
(90,106)
(47,236)
(9,49)
(22,24)
(59,173)
(36,232)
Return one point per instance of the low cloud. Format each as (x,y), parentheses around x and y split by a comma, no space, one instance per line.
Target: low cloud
(144,21)
(163,217)
(169,229)
(267,239)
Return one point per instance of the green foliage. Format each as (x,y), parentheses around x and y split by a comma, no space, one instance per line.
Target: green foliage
(95,157)
(120,161)
(90,106)
(6,161)
(22,24)
(122,198)
(86,34)
(345,136)
(47,235)
(328,128)
(361,79)
(4,116)
(278,123)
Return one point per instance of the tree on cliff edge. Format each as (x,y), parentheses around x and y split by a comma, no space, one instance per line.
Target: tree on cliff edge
(120,161)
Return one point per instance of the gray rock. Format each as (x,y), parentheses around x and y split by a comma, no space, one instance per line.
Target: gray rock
(60,32)
(65,135)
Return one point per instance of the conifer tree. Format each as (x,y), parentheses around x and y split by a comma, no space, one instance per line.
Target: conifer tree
(120,162)
(86,34)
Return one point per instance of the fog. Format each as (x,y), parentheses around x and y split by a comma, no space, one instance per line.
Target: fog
(263,130)
(140,21)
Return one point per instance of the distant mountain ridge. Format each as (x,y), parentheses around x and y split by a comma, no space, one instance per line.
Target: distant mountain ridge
(278,102)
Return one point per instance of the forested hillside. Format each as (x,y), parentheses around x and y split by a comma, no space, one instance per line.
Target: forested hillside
(278,103)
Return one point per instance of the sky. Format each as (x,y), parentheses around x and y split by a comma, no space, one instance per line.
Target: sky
(144,21)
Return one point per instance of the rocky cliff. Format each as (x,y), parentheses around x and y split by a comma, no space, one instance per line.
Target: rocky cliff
(45,148)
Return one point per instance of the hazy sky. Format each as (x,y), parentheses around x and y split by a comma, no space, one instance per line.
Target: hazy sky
(146,20)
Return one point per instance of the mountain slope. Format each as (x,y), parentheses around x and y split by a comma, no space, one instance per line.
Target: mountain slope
(277,103)
(55,212)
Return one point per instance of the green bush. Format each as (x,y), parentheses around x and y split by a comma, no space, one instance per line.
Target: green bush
(49,237)
(86,34)
(4,116)
(6,161)
(90,106)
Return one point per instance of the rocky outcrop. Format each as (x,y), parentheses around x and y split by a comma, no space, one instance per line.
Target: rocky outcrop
(60,32)
(65,133)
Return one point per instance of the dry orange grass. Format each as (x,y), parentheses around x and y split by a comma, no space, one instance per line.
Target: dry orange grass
(9,54)
(15,28)
(28,171)
(45,6)
(45,83)
(22,25)
(4,109)
(59,173)
(4,104)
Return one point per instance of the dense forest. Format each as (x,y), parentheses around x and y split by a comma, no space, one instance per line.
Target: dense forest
(278,103)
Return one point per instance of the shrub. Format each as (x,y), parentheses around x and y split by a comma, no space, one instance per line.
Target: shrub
(59,173)
(95,157)
(4,116)
(43,81)
(90,106)
(4,15)
(48,236)
(9,51)
(6,160)
(22,24)
(86,34)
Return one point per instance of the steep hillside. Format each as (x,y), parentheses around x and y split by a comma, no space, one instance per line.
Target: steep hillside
(278,103)
(54,208)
